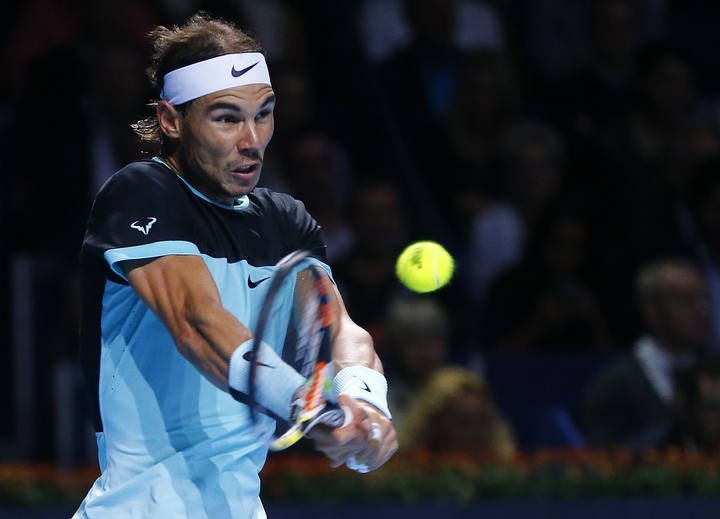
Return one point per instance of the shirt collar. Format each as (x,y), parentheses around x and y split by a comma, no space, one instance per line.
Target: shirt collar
(241,203)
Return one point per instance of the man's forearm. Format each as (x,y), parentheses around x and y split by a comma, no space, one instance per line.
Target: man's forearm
(181,292)
(354,347)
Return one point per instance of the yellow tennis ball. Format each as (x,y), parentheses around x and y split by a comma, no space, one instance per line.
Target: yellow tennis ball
(424,266)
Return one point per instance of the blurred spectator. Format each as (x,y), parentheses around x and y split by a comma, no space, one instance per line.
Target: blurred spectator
(455,412)
(555,34)
(485,103)
(424,75)
(40,28)
(384,28)
(692,28)
(630,402)
(299,107)
(531,157)
(702,231)
(416,344)
(91,138)
(548,302)
(114,100)
(553,37)
(278,24)
(640,170)
(321,176)
(297,114)
(601,90)
(697,401)
(366,277)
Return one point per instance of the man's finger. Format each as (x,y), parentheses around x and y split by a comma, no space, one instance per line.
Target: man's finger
(353,430)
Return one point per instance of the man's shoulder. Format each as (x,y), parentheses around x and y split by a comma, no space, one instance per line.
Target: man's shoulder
(266,197)
(282,203)
(142,174)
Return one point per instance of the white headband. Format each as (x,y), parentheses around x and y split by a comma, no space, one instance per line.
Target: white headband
(214,74)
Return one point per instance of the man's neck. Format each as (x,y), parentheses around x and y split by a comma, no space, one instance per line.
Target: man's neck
(183,170)
(173,163)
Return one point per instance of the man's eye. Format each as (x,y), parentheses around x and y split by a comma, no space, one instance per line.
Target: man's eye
(264,114)
(227,119)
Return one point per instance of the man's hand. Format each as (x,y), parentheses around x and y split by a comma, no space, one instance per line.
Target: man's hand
(357,439)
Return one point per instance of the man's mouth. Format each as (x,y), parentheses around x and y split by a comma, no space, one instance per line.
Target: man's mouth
(246,169)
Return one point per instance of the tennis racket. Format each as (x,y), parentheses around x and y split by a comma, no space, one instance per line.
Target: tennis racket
(307,348)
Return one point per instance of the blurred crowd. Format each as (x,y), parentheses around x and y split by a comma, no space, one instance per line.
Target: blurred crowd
(567,153)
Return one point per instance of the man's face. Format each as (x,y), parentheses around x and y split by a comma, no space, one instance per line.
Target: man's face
(223,140)
(683,305)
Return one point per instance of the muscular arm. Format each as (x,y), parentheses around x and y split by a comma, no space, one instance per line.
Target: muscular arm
(353,346)
(180,290)
(182,293)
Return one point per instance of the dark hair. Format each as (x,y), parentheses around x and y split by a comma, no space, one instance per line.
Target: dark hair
(201,37)
(650,279)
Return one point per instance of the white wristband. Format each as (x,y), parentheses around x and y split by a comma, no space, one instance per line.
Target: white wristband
(363,383)
(276,381)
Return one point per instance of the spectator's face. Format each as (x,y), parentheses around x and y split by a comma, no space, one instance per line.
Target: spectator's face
(467,422)
(565,247)
(420,356)
(483,90)
(223,138)
(119,83)
(668,88)
(318,174)
(707,419)
(298,99)
(432,20)
(682,309)
(536,175)
(380,222)
(614,30)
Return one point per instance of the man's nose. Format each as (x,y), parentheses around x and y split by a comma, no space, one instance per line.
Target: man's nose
(249,137)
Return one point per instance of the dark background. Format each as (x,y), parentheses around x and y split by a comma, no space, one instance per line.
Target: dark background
(535,139)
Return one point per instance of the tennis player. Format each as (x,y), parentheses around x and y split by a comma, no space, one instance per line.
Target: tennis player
(176,261)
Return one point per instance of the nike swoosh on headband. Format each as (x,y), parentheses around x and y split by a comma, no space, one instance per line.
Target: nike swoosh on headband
(238,73)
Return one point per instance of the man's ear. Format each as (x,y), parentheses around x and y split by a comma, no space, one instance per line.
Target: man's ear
(169,119)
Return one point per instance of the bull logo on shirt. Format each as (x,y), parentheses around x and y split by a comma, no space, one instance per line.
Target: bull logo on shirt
(144,224)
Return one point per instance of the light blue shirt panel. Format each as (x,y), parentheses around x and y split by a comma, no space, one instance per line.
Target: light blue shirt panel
(155,492)
(148,250)
(169,434)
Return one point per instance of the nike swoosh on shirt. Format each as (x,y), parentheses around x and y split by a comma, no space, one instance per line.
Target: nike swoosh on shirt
(250,356)
(238,73)
(253,284)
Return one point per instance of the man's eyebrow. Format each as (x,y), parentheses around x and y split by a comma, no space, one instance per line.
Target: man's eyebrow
(223,104)
(218,105)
